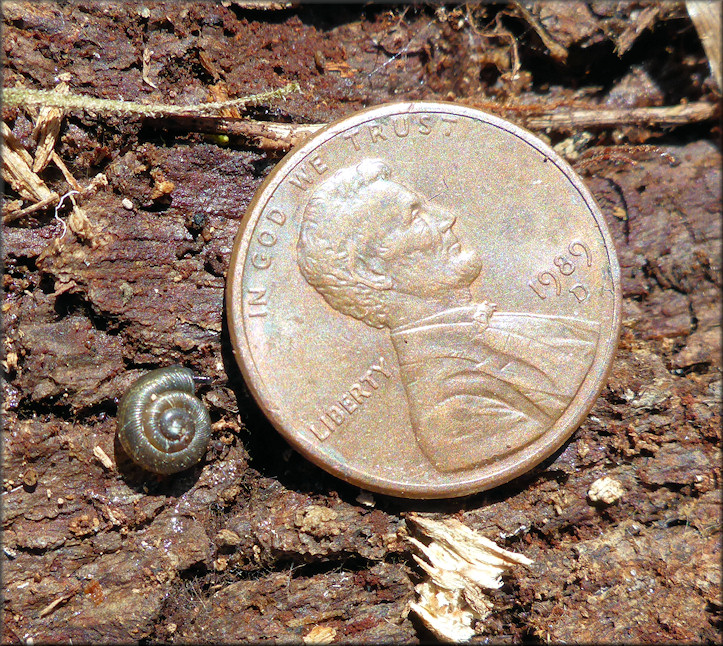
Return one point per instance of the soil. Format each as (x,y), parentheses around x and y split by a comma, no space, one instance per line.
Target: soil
(255,542)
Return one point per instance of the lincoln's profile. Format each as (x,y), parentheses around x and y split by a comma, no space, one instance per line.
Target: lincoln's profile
(479,383)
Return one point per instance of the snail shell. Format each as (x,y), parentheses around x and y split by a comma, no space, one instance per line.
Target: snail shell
(162,425)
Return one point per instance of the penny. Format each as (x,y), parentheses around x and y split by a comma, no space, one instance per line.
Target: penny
(424,299)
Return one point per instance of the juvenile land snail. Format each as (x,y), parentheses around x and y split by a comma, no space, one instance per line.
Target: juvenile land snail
(162,425)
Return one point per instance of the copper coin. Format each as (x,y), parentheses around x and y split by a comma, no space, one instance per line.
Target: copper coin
(424,299)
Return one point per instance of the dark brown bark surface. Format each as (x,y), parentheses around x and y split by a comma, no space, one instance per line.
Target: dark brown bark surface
(255,542)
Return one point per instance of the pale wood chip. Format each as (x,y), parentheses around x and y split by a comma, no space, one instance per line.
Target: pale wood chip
(147,68)
(606,117)
(605,490)
(103,457)
(95,185)
(17,169)
(266,135)
(54,604)
(46,131)
(461,565)
(320,635)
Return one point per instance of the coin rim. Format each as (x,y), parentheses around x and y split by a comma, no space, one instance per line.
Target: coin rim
(524,459)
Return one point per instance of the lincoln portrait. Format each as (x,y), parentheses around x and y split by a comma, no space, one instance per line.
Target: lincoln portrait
(480,383)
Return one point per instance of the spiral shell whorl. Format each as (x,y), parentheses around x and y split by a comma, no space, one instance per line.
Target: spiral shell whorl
(162,425)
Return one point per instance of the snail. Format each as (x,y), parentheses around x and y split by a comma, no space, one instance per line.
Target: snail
(162,425)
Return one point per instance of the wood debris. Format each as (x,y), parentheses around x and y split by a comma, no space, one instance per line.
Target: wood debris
(218,117)
(264,134)
(259,5)
(59,601)
(557,50)
(461,564)
(706,18)
(21,172)
(79,222)
(17,170)
(607,117)
(103,458)
(13,210)
(605,490)
(268,135)
(46,131)
(228,538)
(66,173)
(644,20)
(147,53)
(320,635)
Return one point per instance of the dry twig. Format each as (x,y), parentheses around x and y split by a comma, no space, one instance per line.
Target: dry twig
(571,117)
(12,214)
(607,117)
(264,134)
(25,97)
(283,136)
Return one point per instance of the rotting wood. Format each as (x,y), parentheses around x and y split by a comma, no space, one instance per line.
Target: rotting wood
(169,558)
